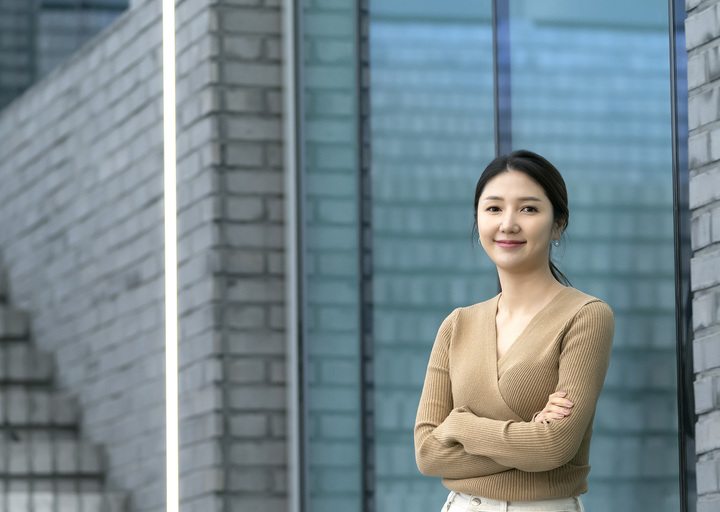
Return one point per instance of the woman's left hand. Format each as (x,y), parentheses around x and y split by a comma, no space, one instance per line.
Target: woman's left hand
(557,408)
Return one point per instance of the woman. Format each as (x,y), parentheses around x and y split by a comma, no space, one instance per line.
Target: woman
(506,411)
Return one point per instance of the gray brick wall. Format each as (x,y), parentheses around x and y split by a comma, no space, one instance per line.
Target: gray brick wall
(81,237)
(251,286)
(703,45)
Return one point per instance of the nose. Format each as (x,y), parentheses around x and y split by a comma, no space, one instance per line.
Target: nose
(508,224)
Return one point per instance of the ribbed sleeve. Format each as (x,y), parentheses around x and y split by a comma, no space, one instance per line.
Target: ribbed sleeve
(548,445)
(433,458)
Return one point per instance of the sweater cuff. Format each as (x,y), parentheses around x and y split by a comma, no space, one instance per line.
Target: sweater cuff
(447,432)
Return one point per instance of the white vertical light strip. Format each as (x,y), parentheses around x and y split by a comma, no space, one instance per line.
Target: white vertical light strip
(171,308)
(292,309)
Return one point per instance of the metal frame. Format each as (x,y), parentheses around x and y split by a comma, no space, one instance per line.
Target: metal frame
(502,86)
(681,230)
(295,280)
(365,268)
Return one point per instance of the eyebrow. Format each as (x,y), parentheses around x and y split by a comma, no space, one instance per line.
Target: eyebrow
(498,198)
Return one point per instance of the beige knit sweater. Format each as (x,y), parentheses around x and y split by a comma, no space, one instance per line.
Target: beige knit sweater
(474,423)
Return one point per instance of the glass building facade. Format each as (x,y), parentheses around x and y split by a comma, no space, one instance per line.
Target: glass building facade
(403,105)
(37,36)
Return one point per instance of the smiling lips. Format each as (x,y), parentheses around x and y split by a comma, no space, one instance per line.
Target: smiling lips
(509,243)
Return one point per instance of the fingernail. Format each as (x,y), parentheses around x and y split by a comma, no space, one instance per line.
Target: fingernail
(569,404)
(566,411)
(562,393)
(560,415)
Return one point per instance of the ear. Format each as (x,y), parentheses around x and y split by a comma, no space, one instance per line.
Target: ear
(557,229)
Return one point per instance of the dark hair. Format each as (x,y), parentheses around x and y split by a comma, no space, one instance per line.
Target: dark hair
(544,174)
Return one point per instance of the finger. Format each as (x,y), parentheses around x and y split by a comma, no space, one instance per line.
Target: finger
(557,411)
(561,402)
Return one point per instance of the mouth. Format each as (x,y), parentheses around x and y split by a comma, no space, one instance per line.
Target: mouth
(509,243)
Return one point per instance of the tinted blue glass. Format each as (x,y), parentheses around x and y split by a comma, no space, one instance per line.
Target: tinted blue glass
(590,91)
(35,37)
(432,134)
(331,258)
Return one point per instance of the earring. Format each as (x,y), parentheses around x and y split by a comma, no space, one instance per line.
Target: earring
(478,239)
(556,243)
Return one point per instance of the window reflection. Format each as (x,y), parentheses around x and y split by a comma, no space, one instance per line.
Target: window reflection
(432,134)
(590,91)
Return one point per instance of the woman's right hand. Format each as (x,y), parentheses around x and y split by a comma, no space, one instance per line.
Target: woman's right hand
(557,408)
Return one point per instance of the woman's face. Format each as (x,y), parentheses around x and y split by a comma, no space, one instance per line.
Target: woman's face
(515,222)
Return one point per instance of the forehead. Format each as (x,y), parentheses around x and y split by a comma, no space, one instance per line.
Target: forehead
(512,184)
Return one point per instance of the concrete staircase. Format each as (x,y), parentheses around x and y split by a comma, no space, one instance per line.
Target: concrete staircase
(44,465)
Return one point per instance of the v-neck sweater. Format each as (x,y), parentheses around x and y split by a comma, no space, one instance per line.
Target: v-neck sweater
(474,425)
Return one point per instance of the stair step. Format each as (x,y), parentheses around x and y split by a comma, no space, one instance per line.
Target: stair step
(14,323)
(49,457)
(17,499)
(22,363)
(26,406)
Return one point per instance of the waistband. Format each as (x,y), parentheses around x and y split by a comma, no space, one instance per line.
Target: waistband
(481,504)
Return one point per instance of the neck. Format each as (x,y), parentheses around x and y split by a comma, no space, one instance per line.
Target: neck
(523,293)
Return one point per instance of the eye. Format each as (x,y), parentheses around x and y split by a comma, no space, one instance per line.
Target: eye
(492,209)
(529,209)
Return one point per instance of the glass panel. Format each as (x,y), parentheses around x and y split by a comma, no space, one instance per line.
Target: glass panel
(590,90)
(331,257)
(432,135)
(36,37)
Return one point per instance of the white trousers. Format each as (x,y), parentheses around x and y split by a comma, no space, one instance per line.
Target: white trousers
(461,502)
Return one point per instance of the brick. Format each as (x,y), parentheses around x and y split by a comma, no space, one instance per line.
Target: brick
(702,26)
(255,480)
(256,290)
(257,343)
(715,224)
(243,2)
(246,100)
(714,145)
(254,128)
(706,352)
(703,308)
(251,21)
(708,504)
(699,149)
(704,395)
(245,262)
(691,4)
(245,47)
(249,425)
(240,154)
(707,434)
(703,108)
(273,48)
(247,317)
(253,74)
(704,270)
(257,454)
(254,397)
(700,231)
(247,371)
(713,63)
(256,235)
(252,208)
(707,476)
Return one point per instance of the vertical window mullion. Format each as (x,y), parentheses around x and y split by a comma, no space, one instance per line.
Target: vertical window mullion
(502,92)
(681,228)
